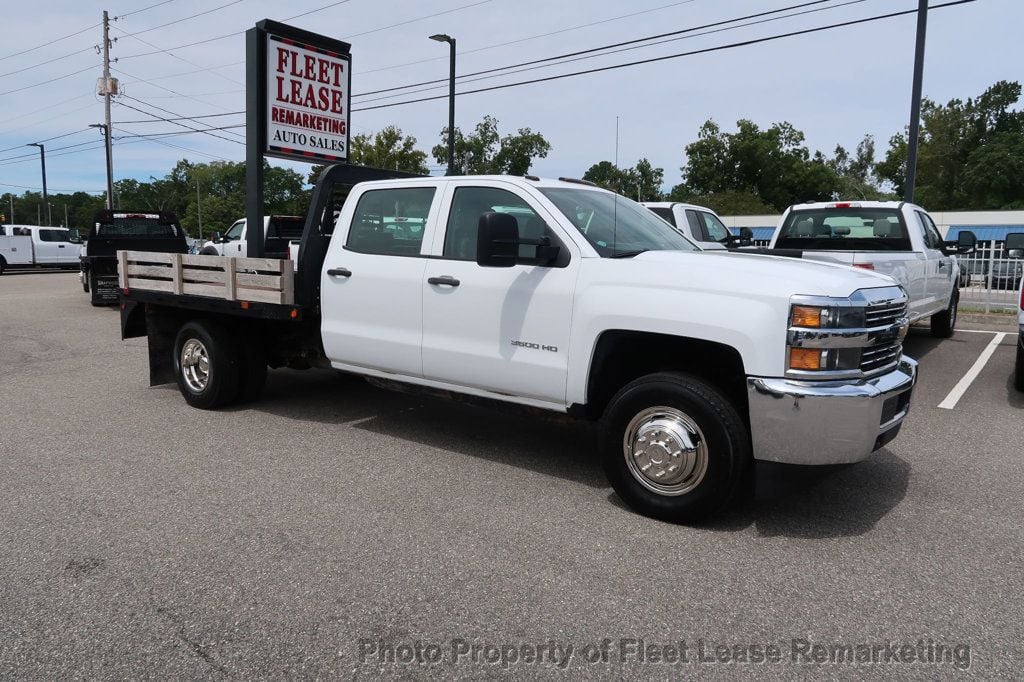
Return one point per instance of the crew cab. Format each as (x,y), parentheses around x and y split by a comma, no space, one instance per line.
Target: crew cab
(34,246)
(553,295)
(278,231)
(894,238)
(1015,249)
(121,230)
(699,224)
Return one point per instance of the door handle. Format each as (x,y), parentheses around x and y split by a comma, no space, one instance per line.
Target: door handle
(339,272)
(60,246)
(942,263)
(446,280)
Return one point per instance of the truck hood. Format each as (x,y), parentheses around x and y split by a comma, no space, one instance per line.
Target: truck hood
(756,274)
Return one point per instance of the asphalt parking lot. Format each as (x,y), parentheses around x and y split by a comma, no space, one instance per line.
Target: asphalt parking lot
(333,528)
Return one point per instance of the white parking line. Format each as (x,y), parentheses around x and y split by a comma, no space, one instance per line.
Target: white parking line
(961,387)
(984,331)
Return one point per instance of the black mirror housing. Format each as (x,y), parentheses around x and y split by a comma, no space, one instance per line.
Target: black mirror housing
(966,242)
(746,238)
(497,240)
(215,237)
(1014,246)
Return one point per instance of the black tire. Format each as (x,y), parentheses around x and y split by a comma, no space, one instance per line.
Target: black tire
(1018,371)
(726,441)
(944,323)
(209,251)
(85,281)
(222,379)
(252,375)
(3,264)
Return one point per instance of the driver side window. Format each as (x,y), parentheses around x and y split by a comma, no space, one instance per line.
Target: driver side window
(932,239)
(235,231)
(469,203)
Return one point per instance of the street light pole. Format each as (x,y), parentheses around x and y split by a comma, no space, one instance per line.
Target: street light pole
(199,210)
(444,38)
(110,166)
(42,162)
(915,102)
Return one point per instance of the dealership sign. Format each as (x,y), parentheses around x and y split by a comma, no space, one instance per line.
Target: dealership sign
(304,94)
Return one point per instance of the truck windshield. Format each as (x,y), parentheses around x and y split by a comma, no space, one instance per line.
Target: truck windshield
(616,226)
(844,229)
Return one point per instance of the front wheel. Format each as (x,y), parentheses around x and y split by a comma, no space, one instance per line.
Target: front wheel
(206,365)
(944,323)
(85,281)
(674,448)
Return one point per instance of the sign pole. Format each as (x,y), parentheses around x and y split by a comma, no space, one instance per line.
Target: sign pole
(255,138)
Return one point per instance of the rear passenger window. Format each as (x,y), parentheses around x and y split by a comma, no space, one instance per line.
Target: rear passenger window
(390,222)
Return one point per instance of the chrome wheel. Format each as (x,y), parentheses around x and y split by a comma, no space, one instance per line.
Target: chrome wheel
(665,451)
(195,365)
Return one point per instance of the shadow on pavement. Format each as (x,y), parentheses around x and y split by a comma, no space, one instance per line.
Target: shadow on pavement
(791,501)
(539,441)
(1014,397)
(821,502)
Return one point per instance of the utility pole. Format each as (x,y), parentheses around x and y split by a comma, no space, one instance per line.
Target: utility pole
(109,85)
(66,223)
(915,101)
(445,38)
(11,197)
(46,198)
(199,210)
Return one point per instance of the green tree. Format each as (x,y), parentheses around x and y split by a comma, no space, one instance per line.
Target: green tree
(730,202)
(966,152)
(485,152)
(389,149)
(642,182)
(772,164)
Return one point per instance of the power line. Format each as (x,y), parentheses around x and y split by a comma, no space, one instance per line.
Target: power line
(166,89)
(49,42)
(52,80)
(48,61)
(181,59)
(136,11)
(585,56)
(534,37)
(152,138)
(411,21)
(605,47)
(62,191)
(55,137)
(177,123)
(172,133)
(55,149)
(178,21)
(183,118)
(624,65)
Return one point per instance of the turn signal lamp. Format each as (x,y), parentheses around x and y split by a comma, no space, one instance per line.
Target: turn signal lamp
(807,316)
(864,266)
(807,358)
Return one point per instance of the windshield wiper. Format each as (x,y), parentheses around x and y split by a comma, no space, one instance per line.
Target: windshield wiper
(628,254)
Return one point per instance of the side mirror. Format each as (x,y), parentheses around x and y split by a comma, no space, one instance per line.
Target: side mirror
(497,240)
(1014,247)
(965,242)
(746,238)
(74,237)
(215,237)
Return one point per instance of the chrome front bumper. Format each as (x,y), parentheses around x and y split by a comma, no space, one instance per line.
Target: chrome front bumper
(834,422)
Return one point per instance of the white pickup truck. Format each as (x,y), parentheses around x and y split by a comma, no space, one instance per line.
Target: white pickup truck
(33,246)
(699,223)
(894,238)
(278,231)
(555,295)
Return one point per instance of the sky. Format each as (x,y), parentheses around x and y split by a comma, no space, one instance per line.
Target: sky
(835,85)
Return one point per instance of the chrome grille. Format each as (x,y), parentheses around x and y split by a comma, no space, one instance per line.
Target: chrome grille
(879,357)
(884,314)
(885,353)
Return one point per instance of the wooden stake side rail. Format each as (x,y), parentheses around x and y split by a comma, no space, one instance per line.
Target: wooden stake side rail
(263,280)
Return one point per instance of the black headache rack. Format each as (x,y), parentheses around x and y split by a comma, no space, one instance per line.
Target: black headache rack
(120,230)
(332,188)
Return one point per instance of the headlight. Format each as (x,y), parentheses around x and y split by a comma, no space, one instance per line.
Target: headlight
(838,338)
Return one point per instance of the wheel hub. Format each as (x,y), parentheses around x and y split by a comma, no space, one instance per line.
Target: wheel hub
(195,365)
(665,451)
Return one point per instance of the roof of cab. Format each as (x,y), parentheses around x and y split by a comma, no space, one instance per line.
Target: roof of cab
(525,181)
(850,203)
(670,204)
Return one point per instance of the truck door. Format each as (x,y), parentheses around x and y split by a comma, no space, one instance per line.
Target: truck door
(942,279)
(371,288)
(237,235)
(502,330)
(52,247)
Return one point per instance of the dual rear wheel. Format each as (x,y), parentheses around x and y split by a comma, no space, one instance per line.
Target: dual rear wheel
(215,367)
